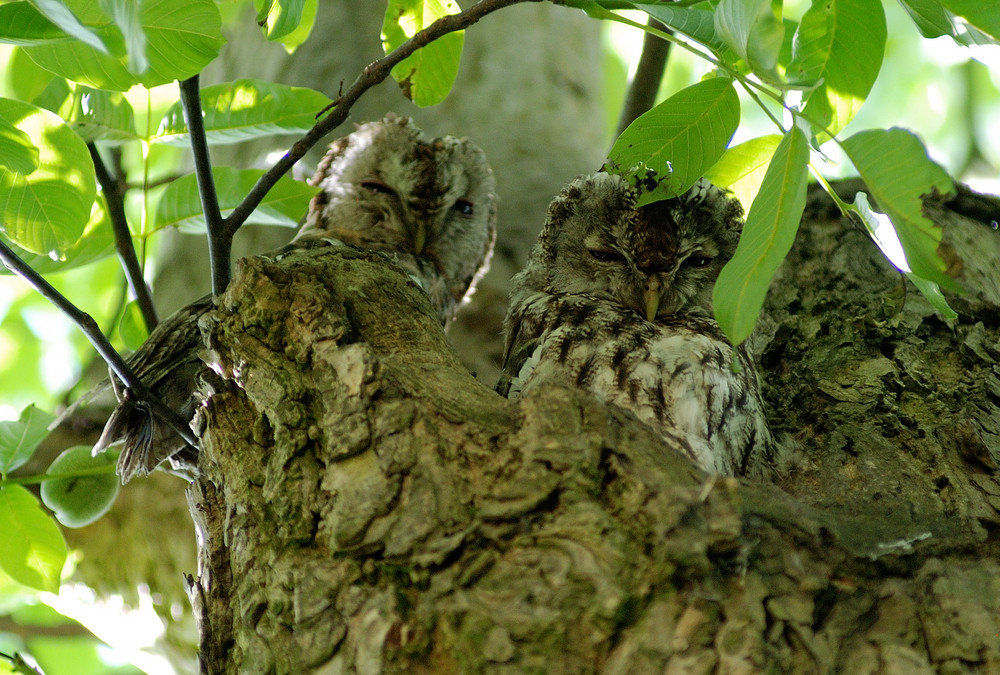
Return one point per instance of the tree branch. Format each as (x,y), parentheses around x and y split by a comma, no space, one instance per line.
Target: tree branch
(93,333)
(646,82)
(114,196)
(220,238)
(373,74)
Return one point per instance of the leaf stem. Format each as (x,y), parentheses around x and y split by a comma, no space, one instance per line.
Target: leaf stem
(374,73)
(114,197)
(220,238)
(93,333)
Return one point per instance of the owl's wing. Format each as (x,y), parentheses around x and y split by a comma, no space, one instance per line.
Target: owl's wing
(519,346)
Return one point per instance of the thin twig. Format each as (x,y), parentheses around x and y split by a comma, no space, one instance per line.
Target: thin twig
(114,197)
(373,74)
(648,72)
(220,240)
(93,333)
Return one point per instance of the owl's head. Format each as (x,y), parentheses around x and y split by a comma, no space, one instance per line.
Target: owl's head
(659,260)
(429,201)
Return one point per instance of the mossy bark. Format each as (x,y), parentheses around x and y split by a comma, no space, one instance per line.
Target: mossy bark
(366,505)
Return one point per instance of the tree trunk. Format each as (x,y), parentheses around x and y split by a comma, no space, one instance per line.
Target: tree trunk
(367,506)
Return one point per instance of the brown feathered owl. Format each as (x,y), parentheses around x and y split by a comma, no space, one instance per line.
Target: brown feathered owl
(427,204)
(618,301)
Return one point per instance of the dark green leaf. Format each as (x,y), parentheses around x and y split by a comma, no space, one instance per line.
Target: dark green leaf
(246,109)
(767,237)
(427,75)
(679,139)
(838,47)
(931,18)
(79,500)
(46,210)
(22,24)
(32,549)
(880,156)
(19,439)
(180,205)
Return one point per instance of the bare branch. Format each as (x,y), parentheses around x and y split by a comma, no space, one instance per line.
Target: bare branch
(114,197)
(220,238)
(374,73)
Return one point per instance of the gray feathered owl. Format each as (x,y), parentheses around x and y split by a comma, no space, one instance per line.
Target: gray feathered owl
(427,204)
(617,300)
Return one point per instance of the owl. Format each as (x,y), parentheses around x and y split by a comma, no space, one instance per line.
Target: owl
(617,300)
(428,205)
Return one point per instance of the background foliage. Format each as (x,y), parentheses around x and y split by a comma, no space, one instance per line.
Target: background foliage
(756,96)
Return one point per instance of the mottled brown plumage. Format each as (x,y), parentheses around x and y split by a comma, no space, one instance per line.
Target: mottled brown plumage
(618,301)
(427,204)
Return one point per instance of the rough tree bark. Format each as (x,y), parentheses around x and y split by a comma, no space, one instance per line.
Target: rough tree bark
(367,506)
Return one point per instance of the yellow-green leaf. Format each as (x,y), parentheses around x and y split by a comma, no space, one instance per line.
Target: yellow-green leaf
(427,75)
(32,549)
(742,167)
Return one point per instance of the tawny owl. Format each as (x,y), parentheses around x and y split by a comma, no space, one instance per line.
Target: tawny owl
(617,300)
(427,204)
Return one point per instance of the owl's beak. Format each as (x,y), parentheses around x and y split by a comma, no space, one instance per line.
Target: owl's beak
(419,238)
(652,295)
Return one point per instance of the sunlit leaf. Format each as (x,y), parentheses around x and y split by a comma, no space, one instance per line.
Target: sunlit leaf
(982,14)
(884,235)
(46,210)
(62,16)
(767,237)
(22,24)
(97,242)
(246,109)
(95,114)
(132,327)
(181,38)
(695,22)
(427,75)
(838,47)
(880,156)
(753,31)
(278,18)
(18,439)
(17,152)
(126,16)
(80,500)
(742,167)
(180,205)
(678,140)
(32,549)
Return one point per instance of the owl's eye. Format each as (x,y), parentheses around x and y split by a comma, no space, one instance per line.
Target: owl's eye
(607,256)
(696,261)
(464,206)
(376,186)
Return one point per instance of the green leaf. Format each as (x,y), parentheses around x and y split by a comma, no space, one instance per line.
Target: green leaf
(767,237)
(95,114)
(19,439)
(62,16)
(22,24)
(742,167)
(126,16)
(181,38)
(180,205)
(246,109)
(695,22)
(679,139)
(981,14)
(884,235)
(931,18)
(132,327)
(17,152)
(839,47)
(895,167)
(278,18)
(79,500)
(754,32)
(32,549)
(427,75)
(46,210)
(97,242)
